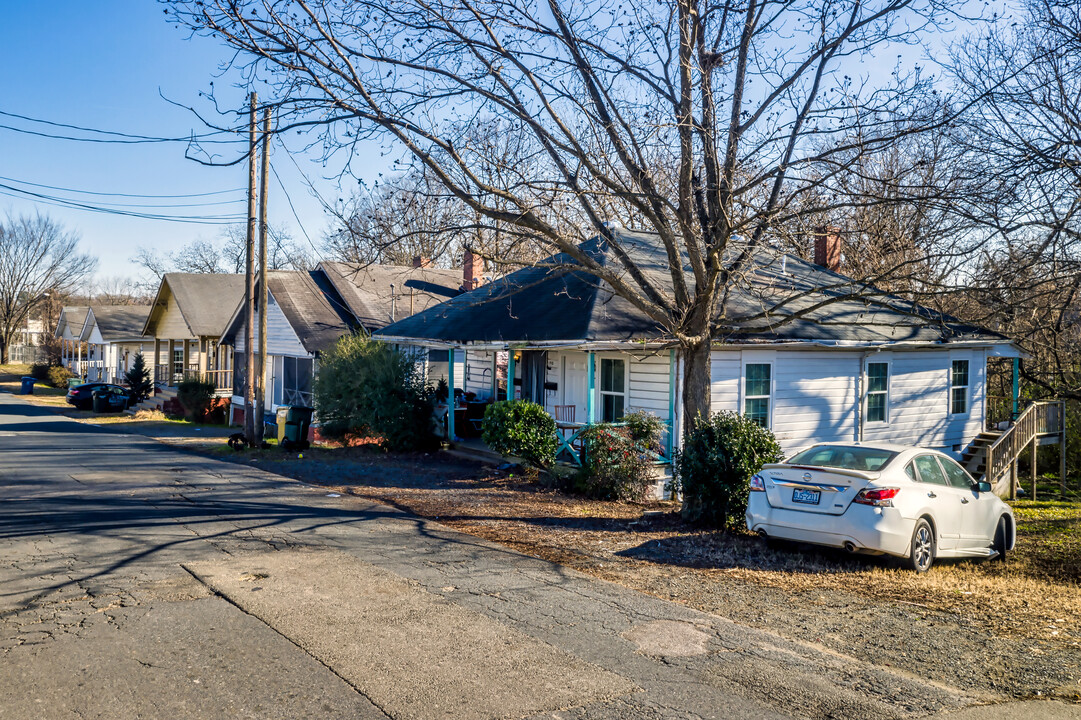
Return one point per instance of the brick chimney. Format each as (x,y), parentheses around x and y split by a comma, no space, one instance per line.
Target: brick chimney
(828,248)
(419,261)
(472,271)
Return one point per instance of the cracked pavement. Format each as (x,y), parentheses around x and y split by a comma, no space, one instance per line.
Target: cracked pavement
(139,581)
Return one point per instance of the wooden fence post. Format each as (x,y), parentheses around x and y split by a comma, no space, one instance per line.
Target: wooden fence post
(1032,467)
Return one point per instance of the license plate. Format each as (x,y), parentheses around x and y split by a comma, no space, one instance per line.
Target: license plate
(806,497)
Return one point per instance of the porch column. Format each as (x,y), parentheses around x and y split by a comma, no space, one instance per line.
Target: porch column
(204,348)
(510,374)
(591,384)
(671,401)
(169,363)
(450,395)
(187,357)
(1016,387)
(157,360)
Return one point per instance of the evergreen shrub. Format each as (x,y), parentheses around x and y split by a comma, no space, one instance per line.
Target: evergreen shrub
(521,428)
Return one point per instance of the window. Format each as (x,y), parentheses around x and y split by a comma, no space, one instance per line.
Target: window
(959,387)
(756,393)
(849,457)
(929,470)
(613,389)
(956,474)
(296,381)
(878,387)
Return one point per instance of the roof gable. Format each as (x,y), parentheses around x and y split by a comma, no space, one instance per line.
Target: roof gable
(206,301)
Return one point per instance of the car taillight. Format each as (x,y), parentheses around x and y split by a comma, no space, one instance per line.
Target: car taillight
(758,483)
(879,497)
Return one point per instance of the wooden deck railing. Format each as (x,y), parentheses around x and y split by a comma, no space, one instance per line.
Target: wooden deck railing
(222,379)
(1040,419)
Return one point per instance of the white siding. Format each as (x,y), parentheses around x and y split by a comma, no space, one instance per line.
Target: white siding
(478,373)
(724,380)
(814,398)
(280,337)
(814,395)
(919,401)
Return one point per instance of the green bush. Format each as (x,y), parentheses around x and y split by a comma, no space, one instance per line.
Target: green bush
(368,388)
(714,467)
(138,379)
(617,463)
(58,376)
(40,371)
(521,428)
(195,397)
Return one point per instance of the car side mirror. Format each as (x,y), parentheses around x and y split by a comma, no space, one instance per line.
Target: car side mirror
(983,487)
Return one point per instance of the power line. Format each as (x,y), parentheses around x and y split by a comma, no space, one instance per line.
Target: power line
(124,138)
(126,195)
(15,192)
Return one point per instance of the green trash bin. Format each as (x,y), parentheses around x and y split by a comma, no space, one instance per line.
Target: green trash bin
(297,421)
(100,401)
(75,382)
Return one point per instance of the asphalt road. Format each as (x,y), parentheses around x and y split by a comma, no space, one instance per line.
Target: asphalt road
(138,581)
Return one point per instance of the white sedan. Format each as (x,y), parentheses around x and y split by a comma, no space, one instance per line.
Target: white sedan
(904,501)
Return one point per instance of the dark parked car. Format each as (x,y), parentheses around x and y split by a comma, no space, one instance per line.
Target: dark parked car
(82,396)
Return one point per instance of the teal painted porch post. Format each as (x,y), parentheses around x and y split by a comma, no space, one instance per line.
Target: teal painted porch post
(1016,386)
(510,374)
(450,396)
(671,401)
(591,375)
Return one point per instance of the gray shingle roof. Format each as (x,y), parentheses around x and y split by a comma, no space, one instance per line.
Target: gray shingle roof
(367,291)
(74,316)
(206,300)
(120,322)
(310,304)
(562,303)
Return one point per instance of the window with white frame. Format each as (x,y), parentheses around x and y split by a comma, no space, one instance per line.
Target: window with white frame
(878,391)
(959,387)
(613,389)
(756,392)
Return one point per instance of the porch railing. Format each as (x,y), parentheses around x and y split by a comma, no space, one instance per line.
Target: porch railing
(221,379)
(574,446)
(1040,419)
(162,374)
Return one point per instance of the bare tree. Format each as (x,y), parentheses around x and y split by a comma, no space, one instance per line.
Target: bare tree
(1024,129)
(37,257)
(224,256)
(705,123)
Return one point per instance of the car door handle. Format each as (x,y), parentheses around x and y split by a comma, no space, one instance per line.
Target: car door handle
(931,495)
(964,501)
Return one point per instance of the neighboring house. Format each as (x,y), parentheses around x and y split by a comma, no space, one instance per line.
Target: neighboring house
(69,330)
(113,337)
(305,316)
(853,370)
(186,321)
(26,346)
(309,311)
(378,295)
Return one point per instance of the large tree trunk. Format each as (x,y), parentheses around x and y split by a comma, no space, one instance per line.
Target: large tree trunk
(696,380)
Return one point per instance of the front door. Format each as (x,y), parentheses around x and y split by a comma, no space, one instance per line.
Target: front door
(572,385)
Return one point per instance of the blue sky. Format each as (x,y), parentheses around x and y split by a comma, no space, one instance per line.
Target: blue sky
(105,64)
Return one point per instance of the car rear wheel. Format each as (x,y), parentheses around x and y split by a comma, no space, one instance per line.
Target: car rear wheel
(1002,534)
(921,554)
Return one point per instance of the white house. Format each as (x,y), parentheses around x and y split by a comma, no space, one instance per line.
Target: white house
(874,368)
(307,312)
(69,328)
(113,337)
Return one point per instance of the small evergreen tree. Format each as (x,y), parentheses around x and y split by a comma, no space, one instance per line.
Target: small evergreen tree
(139,380)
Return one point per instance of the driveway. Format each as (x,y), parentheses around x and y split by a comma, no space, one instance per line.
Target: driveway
(137,580)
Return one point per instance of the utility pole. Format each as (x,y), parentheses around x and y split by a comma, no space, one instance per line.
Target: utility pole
(260,392)
(249,290)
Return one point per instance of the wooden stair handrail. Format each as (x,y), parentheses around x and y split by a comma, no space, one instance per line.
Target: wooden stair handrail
(1034,421)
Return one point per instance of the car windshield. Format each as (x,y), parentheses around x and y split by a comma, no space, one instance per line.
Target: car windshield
(842,456)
